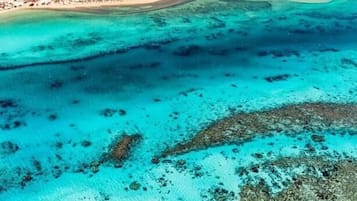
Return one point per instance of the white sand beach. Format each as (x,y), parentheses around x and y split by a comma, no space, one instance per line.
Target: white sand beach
(11,5)
(7,6)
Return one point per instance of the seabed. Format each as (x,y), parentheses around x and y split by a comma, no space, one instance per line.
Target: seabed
(213,100)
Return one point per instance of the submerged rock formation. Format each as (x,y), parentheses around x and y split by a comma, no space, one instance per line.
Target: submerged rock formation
(290,119)
(7,148)
(329,181)
(119,151)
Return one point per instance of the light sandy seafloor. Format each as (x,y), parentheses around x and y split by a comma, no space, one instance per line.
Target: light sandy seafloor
(89,101)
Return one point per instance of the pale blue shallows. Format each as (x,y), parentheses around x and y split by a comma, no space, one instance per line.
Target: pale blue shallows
(172,71)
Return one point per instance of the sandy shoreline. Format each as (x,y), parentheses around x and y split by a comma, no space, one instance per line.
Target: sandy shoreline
(70,5)
(78,6)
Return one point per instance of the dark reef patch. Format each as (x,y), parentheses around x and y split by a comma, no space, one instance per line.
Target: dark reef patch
(120,150)
(218,52)
(322,180)
(189,50)
(158,21)
(317,138)
(329,50)
(188,91)
(56,84)
(216,23)
(42,48)
(277,78)
(87,58)
(349,62)
(86,143)
(302,31)
(249,5)
(122,112)
(134,186)
(52,117)
(75,102)
(8,147)
(152,65)
(12,125)
(289,119)
(279,53)
(109,112)
(219,193)
(11,114)
(329,16)
(8,103)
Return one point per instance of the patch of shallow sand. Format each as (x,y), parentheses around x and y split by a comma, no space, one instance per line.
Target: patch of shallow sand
(311,1)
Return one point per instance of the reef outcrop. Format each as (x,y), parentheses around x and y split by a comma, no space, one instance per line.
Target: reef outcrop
(326,181)
(119,151)
(289,119)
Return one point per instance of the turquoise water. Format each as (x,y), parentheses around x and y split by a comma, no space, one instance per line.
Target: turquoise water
(173,71)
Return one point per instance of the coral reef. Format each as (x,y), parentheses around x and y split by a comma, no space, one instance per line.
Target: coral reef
(8,147)
(288,119)
(120,150)
(335,181)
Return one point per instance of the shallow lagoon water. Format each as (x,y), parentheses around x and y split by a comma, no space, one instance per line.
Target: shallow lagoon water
(173,72)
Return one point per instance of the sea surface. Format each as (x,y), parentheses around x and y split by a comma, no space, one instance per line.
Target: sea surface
(74,84)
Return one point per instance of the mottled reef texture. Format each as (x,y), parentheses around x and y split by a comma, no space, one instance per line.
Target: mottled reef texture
(290,119)
(119,151)
(330,181)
